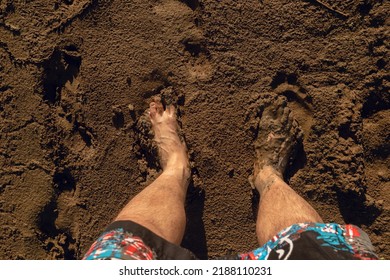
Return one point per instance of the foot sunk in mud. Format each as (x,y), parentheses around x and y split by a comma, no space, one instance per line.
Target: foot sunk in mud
(277,139)
(171,149)
(161,138)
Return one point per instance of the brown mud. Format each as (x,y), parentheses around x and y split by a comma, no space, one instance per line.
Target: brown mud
(75,75)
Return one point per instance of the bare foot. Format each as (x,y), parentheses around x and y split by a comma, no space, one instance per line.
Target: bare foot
(279,134)
(172,151)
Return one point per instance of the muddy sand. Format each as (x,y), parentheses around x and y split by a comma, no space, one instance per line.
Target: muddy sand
(75,75)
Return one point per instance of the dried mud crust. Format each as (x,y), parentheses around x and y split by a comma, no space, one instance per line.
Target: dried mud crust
(76,75)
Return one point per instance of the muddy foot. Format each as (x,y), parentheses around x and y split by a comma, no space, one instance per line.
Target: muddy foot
(279,134)
(172,151)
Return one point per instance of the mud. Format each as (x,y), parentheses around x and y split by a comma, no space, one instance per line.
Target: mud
(76,75)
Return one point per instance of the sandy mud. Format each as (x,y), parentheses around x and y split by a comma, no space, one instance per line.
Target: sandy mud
(76,75)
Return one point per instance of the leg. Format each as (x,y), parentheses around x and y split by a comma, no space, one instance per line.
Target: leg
(160,206)
(280,206)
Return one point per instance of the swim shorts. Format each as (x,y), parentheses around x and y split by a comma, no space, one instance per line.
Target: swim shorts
(130,241)
(314,241)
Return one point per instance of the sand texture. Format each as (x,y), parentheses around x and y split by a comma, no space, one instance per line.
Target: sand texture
(76,75)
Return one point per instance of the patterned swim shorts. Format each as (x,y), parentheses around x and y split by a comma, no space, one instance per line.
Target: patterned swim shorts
(129,240)
(315,241)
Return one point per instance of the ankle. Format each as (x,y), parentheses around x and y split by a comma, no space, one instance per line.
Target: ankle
(180,172)
(267,177)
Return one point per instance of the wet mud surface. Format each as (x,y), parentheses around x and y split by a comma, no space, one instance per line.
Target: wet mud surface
(75,75)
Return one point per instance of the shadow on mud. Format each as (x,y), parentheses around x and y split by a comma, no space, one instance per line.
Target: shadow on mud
(195,235)
(356,209)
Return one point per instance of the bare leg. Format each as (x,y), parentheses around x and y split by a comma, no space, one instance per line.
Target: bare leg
(280,206)
(160,206)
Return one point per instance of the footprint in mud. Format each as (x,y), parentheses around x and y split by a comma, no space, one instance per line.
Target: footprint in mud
(376,117)
(376,107)
(58,219)
(61,89)
(375,143)
(65,12)
(60,73)
(376,135)
(49,16)
(153,83)
(299,100)
(182,22)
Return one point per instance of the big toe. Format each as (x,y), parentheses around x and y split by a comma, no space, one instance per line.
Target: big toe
(152,110)
(156,108)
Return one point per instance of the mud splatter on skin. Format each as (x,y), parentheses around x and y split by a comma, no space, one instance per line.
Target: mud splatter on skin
(76,75)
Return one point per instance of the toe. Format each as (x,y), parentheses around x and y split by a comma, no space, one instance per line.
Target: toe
(286,116)
(280,110)
(160,108)
(298,131)
(152,110)
(171,110)
(158,104)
